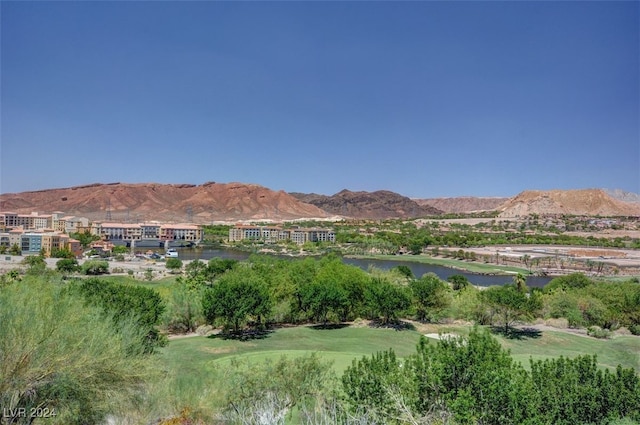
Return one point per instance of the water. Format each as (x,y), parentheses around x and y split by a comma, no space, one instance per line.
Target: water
(418,269)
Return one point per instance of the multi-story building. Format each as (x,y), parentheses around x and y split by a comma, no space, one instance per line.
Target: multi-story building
(241,232)
(181,232)
(71,224)
(135,232)
(31,243)
(274,234)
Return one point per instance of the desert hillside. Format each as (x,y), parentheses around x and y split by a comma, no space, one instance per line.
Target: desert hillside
(462,204)
(166,202)
(380,204)
(589,202)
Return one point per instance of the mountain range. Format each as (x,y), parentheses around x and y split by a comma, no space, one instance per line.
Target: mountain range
(229,202)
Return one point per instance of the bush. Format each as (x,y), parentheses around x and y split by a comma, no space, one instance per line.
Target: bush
(95,267)
(68,265)
(58,353)
(598,332)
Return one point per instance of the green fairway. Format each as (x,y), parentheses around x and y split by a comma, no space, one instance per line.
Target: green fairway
(340,345)
(196,367)
(624,350)
(448,262)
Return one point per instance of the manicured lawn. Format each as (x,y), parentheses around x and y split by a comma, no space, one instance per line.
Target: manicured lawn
(340,345)
(624,350)
(196,366)
(448,262)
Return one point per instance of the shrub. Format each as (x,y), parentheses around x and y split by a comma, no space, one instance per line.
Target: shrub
(598,332)
(58,353)
(95,267)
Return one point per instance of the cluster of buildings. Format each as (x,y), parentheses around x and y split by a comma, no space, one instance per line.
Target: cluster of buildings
(275,233)
(45,233)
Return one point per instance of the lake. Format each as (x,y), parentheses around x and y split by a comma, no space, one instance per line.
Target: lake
(418,269)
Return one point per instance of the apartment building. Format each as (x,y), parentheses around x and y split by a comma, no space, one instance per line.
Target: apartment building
(181,232)
(274,234)
(241,232)
(134,232)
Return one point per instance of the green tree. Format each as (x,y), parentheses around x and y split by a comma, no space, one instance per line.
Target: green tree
(320,299)
(509,304)
(36,263)
(15,249)
(520,281)
(237,296)
(123,302)
(458,282)
(95,267)
(68,265)
(120,249)
(430,296)
(386,299)
(85,238)
(173,264)
(184,310)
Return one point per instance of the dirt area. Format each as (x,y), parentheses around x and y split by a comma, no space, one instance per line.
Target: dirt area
(138,267)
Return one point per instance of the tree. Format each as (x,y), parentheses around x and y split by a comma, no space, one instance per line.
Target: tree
(236,296)
(119,249)
(15,249)
(68,265)
(430,296)
(85,238)
(95,267)
(35,263)
(173,264)
(509,303)
(319,299)
(184,310)
(521,282)
(458,282)
(143,305)
(404,271)
(386,299)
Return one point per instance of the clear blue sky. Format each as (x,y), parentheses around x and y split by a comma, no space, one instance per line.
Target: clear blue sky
(422,98)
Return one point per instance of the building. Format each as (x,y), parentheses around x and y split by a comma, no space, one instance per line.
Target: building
(135,232)
(275,234)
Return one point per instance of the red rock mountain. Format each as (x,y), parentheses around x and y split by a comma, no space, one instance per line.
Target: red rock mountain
(463,204)
(588,202)
(165,202)
(380,204)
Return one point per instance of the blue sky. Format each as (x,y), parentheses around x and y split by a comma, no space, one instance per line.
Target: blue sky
(422,98)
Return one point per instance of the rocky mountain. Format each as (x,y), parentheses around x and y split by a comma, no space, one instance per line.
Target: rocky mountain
(621,195)
(589,202)
(380,204)
(462,204)
(165,202)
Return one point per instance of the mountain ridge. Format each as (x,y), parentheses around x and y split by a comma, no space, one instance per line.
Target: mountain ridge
(235,201)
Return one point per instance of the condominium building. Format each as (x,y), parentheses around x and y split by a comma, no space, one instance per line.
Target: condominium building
(274,234)
(135,232)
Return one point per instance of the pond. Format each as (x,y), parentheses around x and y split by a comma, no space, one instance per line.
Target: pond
(418,269)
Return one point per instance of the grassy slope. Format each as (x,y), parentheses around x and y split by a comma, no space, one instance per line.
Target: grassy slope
(448,262)
(189,355)
(340,345)
(197,366)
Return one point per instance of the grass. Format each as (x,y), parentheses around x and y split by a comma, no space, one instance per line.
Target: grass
(196,366)
(471,267)
(341,345)
(624,350)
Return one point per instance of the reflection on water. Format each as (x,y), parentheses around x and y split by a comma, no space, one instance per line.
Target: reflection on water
(418,269)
